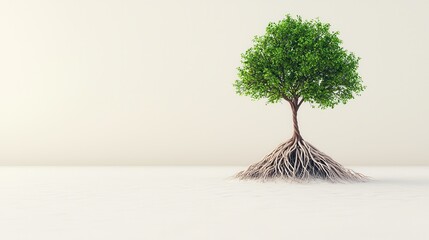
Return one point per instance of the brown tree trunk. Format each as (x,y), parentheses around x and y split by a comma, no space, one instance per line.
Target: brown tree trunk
(295,107)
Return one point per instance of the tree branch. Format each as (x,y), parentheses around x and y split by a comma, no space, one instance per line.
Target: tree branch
(286,98)
(300,102)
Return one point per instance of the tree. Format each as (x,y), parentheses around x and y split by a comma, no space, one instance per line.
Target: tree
(299,61)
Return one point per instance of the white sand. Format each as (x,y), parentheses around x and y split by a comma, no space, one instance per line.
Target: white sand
(202,203)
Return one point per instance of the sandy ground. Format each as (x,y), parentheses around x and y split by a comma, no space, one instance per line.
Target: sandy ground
(204,203)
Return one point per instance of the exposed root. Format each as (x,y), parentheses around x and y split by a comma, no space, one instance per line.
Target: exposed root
(298,160)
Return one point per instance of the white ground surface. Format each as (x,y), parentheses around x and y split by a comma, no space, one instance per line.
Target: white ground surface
(127,203)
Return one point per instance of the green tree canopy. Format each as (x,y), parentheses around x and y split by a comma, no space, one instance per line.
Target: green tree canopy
(299,61)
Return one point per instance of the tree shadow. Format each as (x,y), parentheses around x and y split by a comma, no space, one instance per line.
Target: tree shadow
(402,181)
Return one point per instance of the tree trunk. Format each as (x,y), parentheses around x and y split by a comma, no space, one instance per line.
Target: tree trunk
(296,133)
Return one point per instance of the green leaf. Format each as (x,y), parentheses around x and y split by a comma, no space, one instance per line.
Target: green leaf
(298,58)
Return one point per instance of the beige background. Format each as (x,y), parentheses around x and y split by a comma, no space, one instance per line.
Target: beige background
(150,82)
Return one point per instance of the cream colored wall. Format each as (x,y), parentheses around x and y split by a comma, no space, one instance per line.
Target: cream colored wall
(150,82)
